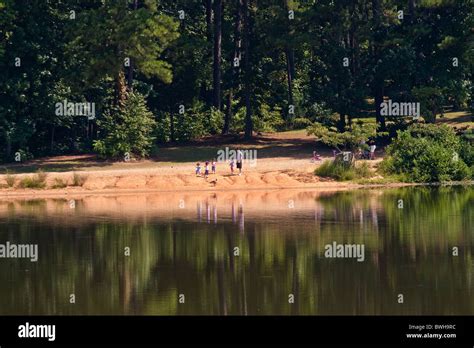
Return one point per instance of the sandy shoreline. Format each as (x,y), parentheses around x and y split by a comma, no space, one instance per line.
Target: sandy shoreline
(136,184)
(149,180)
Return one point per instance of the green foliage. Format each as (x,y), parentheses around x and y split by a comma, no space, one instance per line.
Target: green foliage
(37,181)
(268,119)
(171,63)
(163,128)
(340,172)
(467,155)
(426,153)
(431,101)
(128,129)
(193,124)
(141,36)
(350,139)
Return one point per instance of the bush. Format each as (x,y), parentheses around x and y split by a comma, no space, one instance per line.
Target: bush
(127,129)
(466,152)
(162,132)
(59,183)
(196,122)
(265,119)
(10,179)
(78,180)
(37,181)
(426,153)
(341,172)
(268,119)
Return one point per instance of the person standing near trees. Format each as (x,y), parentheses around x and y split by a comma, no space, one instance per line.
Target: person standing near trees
(239,161)
(372,150)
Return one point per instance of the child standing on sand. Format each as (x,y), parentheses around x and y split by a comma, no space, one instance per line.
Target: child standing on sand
(231,166)
(213,166)
(198,169)
(206,170)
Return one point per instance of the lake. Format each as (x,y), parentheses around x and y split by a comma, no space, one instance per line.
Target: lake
(242,253)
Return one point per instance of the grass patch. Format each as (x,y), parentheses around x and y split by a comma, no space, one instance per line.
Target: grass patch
(59,183)
(10,179)
(78,180)
(37,181)
(392,179)
(340,172)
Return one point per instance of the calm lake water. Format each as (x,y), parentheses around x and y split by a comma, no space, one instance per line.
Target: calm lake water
(242,253)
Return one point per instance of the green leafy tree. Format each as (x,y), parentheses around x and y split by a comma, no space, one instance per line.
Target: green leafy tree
(129,129)
(426,153)
(110,37)
(349,140)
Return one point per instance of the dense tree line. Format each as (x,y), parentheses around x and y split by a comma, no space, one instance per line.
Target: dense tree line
(209,67)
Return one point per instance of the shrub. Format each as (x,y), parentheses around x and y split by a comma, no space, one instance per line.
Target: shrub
(340,172)
(265,119)
(194,123)
(268,119)
(467,155)
(10,179)
(426,153)
(466,152)
(78,180)
(127,129)
(59,183)
(36,181)
(162,131)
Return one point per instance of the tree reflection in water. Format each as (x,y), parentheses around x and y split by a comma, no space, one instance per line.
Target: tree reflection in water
(191,250)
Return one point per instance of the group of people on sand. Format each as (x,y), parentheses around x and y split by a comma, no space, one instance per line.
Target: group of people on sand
(232,165)
(206,168)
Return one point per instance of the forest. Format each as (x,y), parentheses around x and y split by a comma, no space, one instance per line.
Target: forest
(157,72)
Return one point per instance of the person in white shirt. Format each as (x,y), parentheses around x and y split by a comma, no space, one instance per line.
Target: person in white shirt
(372,151)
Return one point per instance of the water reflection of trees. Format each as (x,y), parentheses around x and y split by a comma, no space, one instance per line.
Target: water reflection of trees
(407,251)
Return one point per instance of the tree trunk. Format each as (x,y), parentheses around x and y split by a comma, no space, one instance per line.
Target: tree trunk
(53,128)
(379,87)
(290,71)
(228,113)
(172,127)
(8,143)
(342,122)
(290,62)
(130,68)
(235,69)
(217,54)
(378,81)
(121,89)
(247,84)
(208,4)
(411,10)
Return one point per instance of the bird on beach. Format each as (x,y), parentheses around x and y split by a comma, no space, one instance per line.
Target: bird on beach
(213,182)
